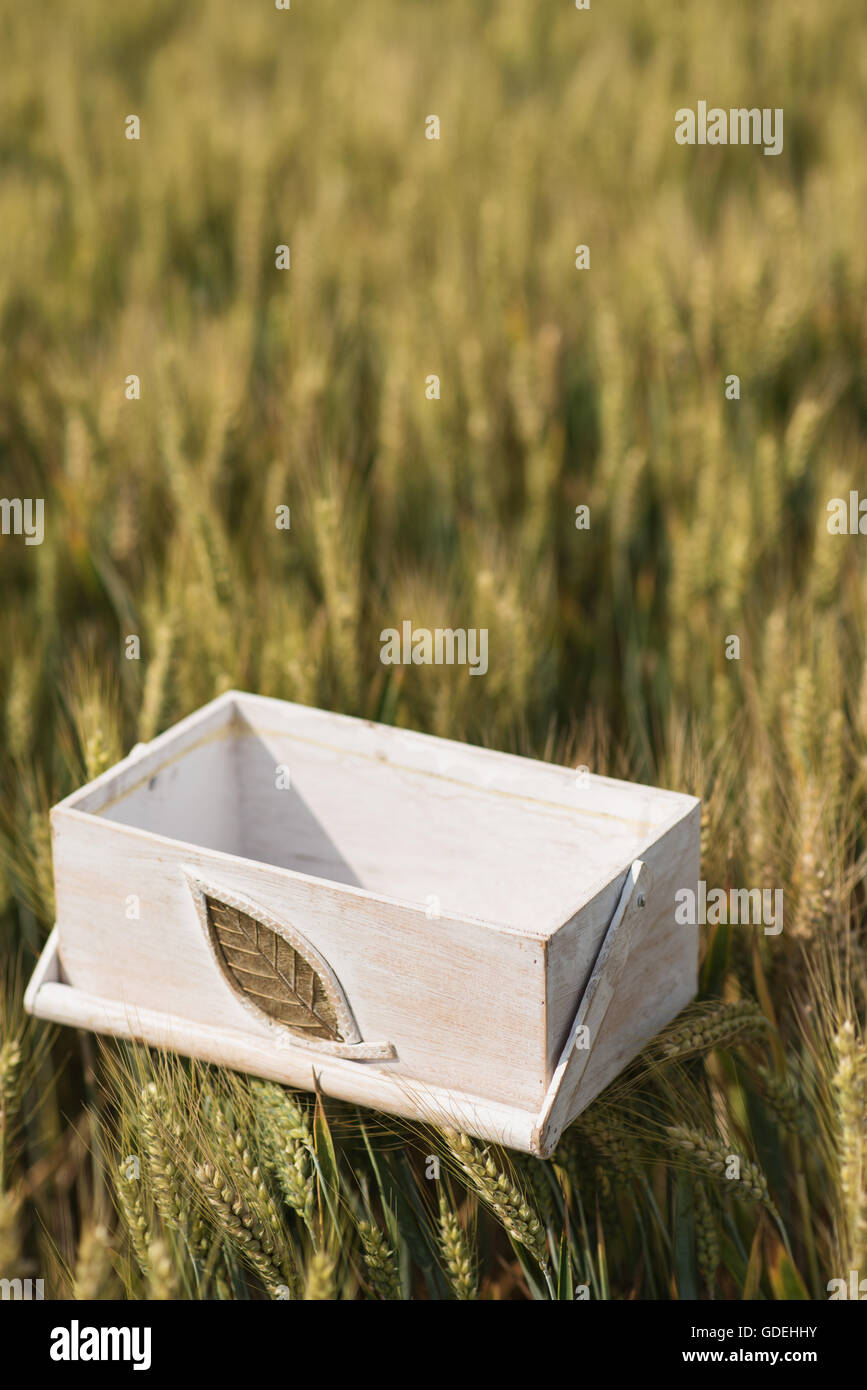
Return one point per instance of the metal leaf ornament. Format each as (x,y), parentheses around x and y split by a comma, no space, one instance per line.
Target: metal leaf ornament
(279,975)
(272,973)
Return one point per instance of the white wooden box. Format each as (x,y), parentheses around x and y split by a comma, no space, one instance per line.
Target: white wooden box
(466,937)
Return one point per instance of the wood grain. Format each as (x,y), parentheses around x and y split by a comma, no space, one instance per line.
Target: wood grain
(264,967)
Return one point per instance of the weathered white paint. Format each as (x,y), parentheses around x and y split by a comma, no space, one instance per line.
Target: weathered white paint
(525,862)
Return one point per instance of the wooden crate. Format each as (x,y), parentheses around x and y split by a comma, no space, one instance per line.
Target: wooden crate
(456,935)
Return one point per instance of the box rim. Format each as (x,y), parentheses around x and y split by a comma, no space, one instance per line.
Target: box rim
(682,804)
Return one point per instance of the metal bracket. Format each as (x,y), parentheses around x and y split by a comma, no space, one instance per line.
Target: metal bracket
(557,1108)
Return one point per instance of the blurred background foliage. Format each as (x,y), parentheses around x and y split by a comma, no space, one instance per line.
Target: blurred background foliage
(306,388)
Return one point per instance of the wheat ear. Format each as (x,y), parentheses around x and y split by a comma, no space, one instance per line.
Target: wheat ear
(92,1265)
(132,1211)
(457,1258)
(10,1206)
(162,1280)
(380,1261)
(850,1091)
(706,1237)
(783,1097)
(246,1177)
(720,1025)
(289,1145)
(252,1239)
(713,1157)
(156,1129)
(611,1143)
(319,1283)
(500,1193)
(10,1095)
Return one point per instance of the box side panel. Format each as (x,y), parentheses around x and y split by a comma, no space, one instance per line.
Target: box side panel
(194,797)
(463,1004)
(660,976)
(409,834)
(211,724)
(471,763)
(501,839)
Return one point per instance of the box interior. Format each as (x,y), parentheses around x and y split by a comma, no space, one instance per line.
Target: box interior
(442,826)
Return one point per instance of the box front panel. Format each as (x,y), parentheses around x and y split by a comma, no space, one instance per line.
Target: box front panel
(462,1003)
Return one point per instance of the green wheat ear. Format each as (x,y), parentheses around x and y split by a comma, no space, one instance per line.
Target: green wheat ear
(93,1267)
(10,1209)
(162,1276)
(129,1197)
(610,1140)
(10,1096)
(456,1253)
(254,1241)
(288,1144)
(380,1261)
(720,1024)
(785,1100)
(161,1132)
(707,1246)
(500,1193)
(850,1092)
(712,1156)
(319,1281)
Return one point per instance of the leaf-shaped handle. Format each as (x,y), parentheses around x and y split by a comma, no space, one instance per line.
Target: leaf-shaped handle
(271,972)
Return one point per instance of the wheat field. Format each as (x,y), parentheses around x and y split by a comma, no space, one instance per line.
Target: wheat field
(306,387)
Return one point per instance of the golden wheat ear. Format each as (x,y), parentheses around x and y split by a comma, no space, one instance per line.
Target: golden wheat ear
(278,975)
